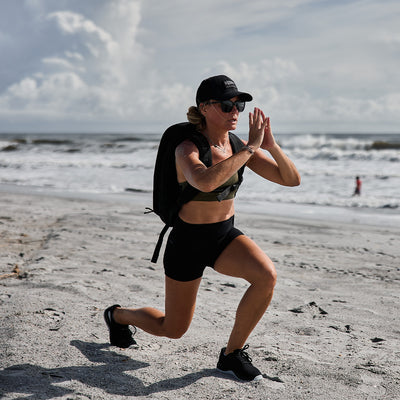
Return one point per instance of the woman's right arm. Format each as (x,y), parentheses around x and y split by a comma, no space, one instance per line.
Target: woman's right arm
(195,172)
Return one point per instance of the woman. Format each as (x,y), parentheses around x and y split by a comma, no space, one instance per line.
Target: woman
(204,234)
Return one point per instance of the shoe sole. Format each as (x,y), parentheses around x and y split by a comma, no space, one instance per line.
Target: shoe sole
(230,372)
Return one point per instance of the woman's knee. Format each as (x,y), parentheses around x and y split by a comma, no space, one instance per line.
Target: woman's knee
(272,277)
(265,276)
(176,332)
(175,328)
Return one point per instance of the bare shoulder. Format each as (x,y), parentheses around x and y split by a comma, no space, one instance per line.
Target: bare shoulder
(186,148)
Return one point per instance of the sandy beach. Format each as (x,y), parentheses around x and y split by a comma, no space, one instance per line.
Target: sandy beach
(331,332)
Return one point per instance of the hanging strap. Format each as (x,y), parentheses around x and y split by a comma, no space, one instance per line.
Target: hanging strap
(159,244)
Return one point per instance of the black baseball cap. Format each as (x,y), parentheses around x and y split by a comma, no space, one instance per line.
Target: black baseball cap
(219,88)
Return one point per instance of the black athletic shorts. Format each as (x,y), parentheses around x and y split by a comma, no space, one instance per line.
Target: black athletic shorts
(192,247)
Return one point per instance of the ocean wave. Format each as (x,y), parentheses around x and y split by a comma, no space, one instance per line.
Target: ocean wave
(90,144)
(337,155)
(54,142)
(120,163)
(136,190)
(340,142)
(382,145)
(10,147)
(311,146)
(390,206)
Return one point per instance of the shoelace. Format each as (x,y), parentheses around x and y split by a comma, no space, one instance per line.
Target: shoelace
(242,353)
(126,328)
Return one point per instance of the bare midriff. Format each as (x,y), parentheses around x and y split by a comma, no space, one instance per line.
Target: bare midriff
(201,212)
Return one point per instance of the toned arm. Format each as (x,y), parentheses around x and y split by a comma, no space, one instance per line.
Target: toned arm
(191,169)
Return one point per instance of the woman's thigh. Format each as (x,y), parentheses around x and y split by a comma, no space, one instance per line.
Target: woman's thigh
(243,258)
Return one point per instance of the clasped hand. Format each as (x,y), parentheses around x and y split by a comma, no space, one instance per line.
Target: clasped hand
(260,133)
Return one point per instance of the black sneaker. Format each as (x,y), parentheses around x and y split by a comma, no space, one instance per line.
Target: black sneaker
(120,335)
(238,364)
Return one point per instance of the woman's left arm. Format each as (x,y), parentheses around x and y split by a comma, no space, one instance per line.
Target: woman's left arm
(280,169)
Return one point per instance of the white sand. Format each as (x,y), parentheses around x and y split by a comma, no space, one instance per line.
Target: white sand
(331,332)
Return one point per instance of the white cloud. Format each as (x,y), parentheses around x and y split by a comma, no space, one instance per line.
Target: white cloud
(74,55)
(73,23)
(59,62)
(25,90)
(95,82)
(389,38)
(136,64)
(31,92)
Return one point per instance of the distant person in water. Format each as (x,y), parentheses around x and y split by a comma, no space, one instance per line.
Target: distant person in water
(357,190)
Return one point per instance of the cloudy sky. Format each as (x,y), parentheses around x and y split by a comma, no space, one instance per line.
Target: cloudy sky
(135,65)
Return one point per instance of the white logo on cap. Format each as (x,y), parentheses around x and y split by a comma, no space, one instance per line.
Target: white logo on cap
(229,84)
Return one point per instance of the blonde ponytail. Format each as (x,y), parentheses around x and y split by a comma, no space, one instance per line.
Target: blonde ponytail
(195,117)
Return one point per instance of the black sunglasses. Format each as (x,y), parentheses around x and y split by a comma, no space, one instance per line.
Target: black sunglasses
(227,105)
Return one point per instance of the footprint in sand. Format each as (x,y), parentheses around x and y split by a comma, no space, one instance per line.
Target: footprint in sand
(55,318)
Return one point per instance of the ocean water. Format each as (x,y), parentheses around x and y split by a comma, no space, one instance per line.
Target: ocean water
(122,164)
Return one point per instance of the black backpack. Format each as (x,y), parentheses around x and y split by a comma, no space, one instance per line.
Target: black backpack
(168,196)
